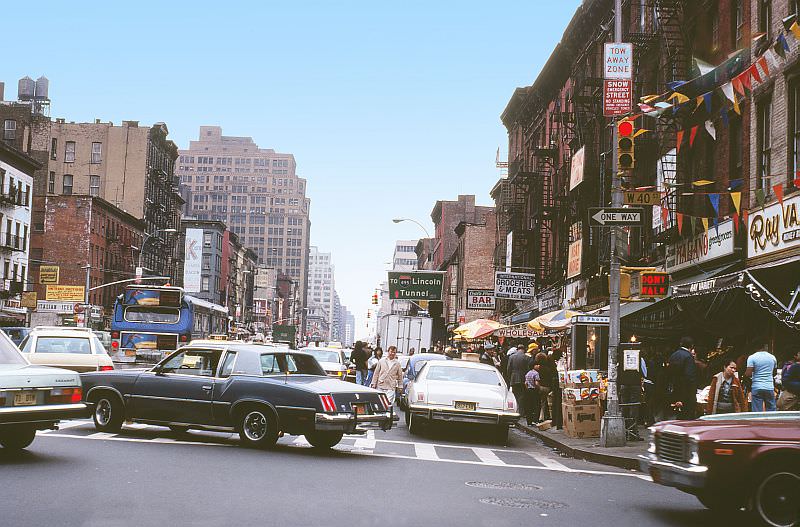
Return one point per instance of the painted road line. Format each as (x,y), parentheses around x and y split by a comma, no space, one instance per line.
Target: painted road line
(301,442)
(426,451)
(487,456)
(550,463)
(366,443)
(101,435)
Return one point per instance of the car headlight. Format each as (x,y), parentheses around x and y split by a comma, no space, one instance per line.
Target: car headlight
(694,452)
(651,448)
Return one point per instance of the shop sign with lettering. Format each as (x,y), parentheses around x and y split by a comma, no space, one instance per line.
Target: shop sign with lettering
(774,228)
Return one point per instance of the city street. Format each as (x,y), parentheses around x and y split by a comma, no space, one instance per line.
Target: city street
(150,476)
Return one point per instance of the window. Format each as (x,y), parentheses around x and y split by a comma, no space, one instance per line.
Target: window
(206,261)
(207,239)
(765,17)
(69,152)
(54,148)
(764,145)
(94,185)
(193,362)
(227,364)
(152,315)
(10,130)
(278,364)
(204,286)
(79,346)
(67,185)
(97,153)
(51,183)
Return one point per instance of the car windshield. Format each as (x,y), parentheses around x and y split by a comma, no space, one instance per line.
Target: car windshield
(152,315)
(283,363)
(9,354)
(456,374)
(77,345)
(323,355)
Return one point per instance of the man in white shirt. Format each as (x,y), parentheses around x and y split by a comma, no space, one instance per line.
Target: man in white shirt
(388,376)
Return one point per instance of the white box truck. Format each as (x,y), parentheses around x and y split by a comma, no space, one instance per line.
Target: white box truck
(405,333)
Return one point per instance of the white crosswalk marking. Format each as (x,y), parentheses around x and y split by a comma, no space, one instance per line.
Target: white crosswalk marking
(366,443)
(549,462)
(426,451)
(487,456)
(100,435)
(300,441)
(63,425)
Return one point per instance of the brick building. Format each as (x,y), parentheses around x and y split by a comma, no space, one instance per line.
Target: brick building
(446,215)
(74,231)
(473,259)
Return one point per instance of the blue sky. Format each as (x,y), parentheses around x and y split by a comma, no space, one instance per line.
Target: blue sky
(387,106)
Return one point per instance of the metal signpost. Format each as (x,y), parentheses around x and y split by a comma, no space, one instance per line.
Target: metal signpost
(612,425)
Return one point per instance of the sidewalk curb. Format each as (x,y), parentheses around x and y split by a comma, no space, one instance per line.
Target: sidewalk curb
(580,453)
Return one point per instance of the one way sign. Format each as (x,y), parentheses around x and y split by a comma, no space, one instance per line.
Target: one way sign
(615,216)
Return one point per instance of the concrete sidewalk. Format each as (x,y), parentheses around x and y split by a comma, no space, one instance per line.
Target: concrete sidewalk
(590,449)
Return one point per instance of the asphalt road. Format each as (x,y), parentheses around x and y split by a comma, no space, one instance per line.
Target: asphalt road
(450,477)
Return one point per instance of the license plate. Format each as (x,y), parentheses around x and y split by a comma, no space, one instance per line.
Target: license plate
(359,408)
(24,398)
(464,405)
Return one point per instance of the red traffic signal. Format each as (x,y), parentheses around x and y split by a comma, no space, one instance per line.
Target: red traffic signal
(625,128)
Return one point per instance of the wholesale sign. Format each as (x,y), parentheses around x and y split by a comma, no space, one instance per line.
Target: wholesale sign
(513,286)
(193,260)
(480,299)
(415,285)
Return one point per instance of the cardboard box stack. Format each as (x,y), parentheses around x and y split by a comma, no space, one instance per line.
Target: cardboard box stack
(581,402)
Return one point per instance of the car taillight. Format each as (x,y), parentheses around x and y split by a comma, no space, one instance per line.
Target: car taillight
(114,344)
(65,395)
(385,401)
(510,404)
(327,403)
(105,368)
(421,397)
(184,338)
(115,334)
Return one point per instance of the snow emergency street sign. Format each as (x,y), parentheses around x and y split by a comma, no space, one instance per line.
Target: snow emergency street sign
(618,60)
(617,97)
(608,217)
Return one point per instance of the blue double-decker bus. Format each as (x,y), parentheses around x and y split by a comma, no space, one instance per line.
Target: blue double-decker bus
(151,321)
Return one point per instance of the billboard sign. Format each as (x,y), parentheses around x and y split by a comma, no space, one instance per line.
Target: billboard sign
(576,168)
(716,243)
(513,286)
(193,260)
(415,285)
(49,274)
(67,293)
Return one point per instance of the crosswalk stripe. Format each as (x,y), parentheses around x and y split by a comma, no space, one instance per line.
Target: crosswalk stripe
(300,441)
(549,463)
(487,456)
(100,435)
(426,451)
(366,443)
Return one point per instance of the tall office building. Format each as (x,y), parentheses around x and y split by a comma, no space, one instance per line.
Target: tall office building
(321,295)
(258,195)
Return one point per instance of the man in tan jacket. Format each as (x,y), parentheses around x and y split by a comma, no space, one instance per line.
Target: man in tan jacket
(388,374)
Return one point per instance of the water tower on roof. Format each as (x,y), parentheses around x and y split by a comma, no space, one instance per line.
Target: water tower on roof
(35,91)
(26,89)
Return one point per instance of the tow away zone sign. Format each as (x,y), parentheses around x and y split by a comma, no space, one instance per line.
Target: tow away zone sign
(513,286)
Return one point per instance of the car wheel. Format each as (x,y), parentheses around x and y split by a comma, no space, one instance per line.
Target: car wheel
(324,440)
(258,428)
(17,437)
(179,429)
(501,434)
(776,495)
(108,414)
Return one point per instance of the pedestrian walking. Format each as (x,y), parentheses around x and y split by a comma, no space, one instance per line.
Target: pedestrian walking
(388,376)
(547,376)
(519,364)
(761,367)
(372,362)
(682,380)
(558,418)
(360,357)
(726,396)
(531,395)
(790,381)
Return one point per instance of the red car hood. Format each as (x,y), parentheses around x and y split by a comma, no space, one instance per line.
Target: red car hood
(739,427)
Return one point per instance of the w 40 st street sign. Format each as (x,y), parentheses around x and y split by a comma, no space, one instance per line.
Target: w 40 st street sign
(610,217)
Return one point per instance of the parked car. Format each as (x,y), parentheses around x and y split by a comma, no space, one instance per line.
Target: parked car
(71,348)
(415,364)
(731,461)
(33,397)
(257,390)
(332,361)
(460,391)
(16,334)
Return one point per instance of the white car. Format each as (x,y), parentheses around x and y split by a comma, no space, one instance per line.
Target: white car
(332,361)
(33,397)
(76,349)
(461,391)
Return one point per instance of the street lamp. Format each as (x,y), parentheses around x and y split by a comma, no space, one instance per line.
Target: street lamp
(398,220)
(147,239)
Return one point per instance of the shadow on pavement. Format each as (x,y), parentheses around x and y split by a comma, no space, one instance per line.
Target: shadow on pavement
(10,458)
(701,518)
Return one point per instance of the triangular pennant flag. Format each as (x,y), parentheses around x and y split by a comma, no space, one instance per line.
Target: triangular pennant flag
(745,79)
(736,198)
(795,29)
(711,130)
(724,114)
(760,42)
(782,40)
(645,108)
(754,73)
(698,101)
(702,182)
(727,89)
(692,134)
(674,85)
(778,47)
(737,86)
(760,197)
(778,192)
(678,141)
(681,97)
(763,63)
(714,199)
(647,99)
(664,216)
(736,106)
(745,215)
(797,181)
(789,21)
(733,184)
(736,222)
(707,100)
(705,224)
(703,66)
(679,221)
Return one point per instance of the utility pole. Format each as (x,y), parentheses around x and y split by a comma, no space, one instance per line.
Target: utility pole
(87,310)
(612,426)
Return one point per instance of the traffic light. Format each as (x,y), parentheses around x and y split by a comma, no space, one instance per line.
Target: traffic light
(375,298)
(369,313)
(626,132)
(655,284)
